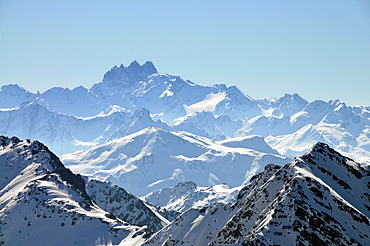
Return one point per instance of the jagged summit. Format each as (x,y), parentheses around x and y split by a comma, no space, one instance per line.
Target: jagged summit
(133,73)
(123,79)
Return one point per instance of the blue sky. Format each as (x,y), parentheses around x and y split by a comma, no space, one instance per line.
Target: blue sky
(319,49)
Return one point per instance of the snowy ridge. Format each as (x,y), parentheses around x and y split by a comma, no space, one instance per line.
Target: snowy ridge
(187,194)
(80,118)
(153,159)
(321,198)
(43,203)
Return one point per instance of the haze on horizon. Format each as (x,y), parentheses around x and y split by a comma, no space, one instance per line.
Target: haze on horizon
(320,50)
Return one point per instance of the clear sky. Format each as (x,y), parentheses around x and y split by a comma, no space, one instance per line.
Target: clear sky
(318,49)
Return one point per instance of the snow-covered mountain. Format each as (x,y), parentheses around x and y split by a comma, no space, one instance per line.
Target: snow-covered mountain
(44,203)
(66,133)
(153,132)
(153,159)
(80,118)
(320,198)
(79,101)
(345,128)
(187,194)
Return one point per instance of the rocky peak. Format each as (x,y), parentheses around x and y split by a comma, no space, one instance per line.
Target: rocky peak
(38,152)
(131,74)
(289,105)
(185,186)
(321,154)
(4,141)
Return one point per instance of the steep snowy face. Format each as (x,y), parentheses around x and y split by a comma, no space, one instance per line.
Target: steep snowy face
(236,104)
(187,194)
(264,125)
(123,205)
(288,105)
(170,96)
(44,203)
(13,95)
(333,122)
(207,124)
(66,133)
(249,142)
(79,101)
(152,159)
(321,198)
(37,122)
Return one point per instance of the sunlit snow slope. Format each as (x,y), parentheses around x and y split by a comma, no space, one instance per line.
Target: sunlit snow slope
(152,159)
(43,203)
(129,99)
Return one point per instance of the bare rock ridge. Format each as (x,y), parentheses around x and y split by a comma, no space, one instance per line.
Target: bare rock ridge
(124,78)
(133,73)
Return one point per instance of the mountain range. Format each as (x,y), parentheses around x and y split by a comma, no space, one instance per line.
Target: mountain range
(153,159)
(211,165)
(132,98)
(319,198)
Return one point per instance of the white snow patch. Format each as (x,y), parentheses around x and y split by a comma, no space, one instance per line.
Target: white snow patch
(208,104)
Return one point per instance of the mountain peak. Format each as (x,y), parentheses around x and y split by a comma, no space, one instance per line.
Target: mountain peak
(133,73)
(124,79)
(318,147)
(323,151)
(134,65)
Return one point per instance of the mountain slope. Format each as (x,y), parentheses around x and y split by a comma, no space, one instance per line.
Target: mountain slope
(43,203)
(14,95)
(80,118)
(321,198)
(79,101)
(187,194)
(343,127)
(153,158)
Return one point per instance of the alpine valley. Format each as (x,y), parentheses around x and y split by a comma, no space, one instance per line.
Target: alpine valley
(146,158)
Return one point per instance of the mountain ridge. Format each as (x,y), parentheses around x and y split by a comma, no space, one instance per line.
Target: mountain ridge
(310,201)
(41,201)
(290,124)
(153,158)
